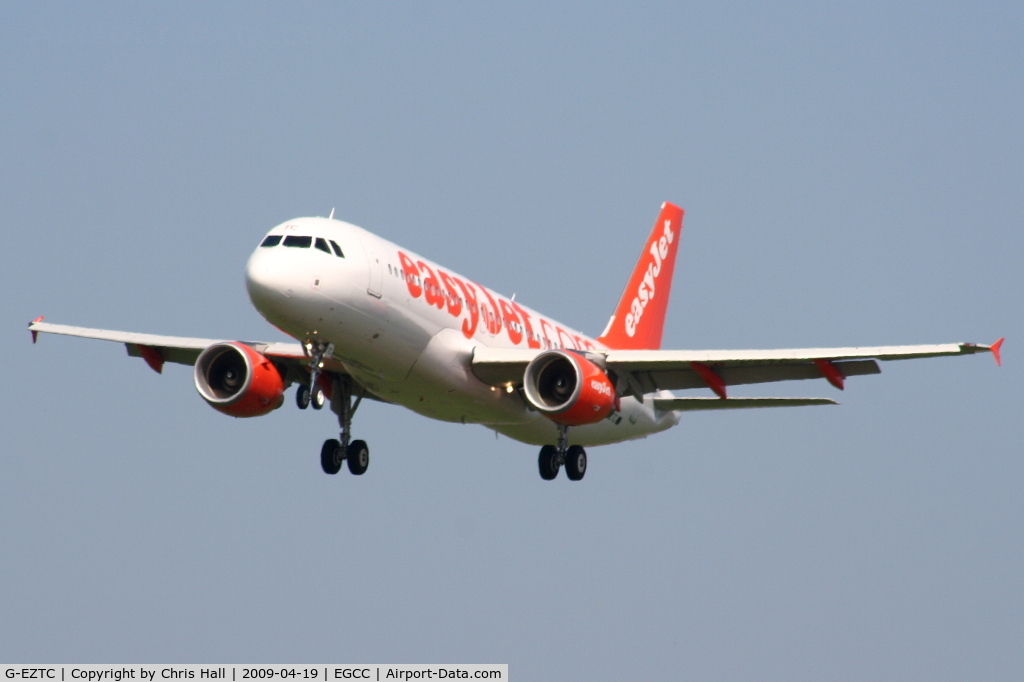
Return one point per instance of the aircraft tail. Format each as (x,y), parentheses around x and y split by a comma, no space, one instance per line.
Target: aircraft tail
(639,318)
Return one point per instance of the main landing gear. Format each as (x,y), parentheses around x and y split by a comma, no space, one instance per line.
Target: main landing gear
(552,457)
(343,404)
(356,452)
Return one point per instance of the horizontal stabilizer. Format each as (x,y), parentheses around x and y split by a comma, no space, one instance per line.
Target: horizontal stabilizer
(684,404)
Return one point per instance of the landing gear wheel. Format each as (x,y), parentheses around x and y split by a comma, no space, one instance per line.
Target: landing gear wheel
(358,457)
(547,462)
(318,398)
(330,456)
(302,397)
(575,462)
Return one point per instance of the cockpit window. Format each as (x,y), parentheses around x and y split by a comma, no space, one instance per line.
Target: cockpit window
(271,240)
(337,249)
(321,244)
(298,242)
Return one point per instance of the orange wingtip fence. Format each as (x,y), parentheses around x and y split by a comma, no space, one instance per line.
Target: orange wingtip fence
(35,334)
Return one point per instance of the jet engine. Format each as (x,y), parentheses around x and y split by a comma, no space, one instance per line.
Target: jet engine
(238,381)
(568,389)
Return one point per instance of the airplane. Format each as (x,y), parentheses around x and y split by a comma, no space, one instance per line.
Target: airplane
(376,321)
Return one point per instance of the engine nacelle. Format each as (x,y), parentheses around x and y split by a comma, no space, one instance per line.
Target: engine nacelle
(238,381)
(568,389)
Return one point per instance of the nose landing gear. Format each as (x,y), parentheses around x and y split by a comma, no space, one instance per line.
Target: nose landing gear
(304,397)
(313,393)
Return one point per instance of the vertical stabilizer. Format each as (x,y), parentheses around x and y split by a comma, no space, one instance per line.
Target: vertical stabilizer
(640,316)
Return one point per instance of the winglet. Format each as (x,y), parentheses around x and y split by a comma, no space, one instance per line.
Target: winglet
(35,334)
(995,348)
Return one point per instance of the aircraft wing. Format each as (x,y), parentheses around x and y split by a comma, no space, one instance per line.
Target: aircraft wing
(645,371)
(156,350)
(689,404)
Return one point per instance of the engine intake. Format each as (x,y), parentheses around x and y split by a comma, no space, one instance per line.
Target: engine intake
(238,381)
(567,388)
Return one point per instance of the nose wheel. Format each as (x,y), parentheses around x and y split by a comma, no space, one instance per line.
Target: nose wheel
(304,397)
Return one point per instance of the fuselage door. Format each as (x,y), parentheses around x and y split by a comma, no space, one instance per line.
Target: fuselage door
(375,267)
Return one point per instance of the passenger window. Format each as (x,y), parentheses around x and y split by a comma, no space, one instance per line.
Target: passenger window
(271,240)
(298,242)
(337,249)
(321,244)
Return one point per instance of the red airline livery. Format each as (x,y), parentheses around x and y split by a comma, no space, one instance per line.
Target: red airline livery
(375,321)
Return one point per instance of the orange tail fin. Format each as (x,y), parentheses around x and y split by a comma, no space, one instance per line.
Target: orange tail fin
(640,316)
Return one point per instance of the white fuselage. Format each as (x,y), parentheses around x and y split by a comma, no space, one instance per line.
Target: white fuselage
(405,328)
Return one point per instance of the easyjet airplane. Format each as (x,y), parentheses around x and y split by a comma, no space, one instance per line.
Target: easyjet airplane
(376,321)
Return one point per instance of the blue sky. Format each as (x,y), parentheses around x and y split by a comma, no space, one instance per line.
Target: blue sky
(851,176)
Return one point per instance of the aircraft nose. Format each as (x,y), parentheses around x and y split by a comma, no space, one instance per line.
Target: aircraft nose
(264,278)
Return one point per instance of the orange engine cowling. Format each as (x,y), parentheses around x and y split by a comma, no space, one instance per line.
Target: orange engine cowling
(238,381)
(567,388)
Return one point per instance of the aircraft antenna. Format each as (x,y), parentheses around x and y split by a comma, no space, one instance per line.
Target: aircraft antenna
(331,217)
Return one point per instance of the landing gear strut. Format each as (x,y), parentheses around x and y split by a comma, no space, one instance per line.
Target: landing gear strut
(314,393)
(334,450)
(552,457)
(355,451)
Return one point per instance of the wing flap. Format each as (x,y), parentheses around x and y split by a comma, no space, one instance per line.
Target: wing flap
(175,354)
(682,377)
